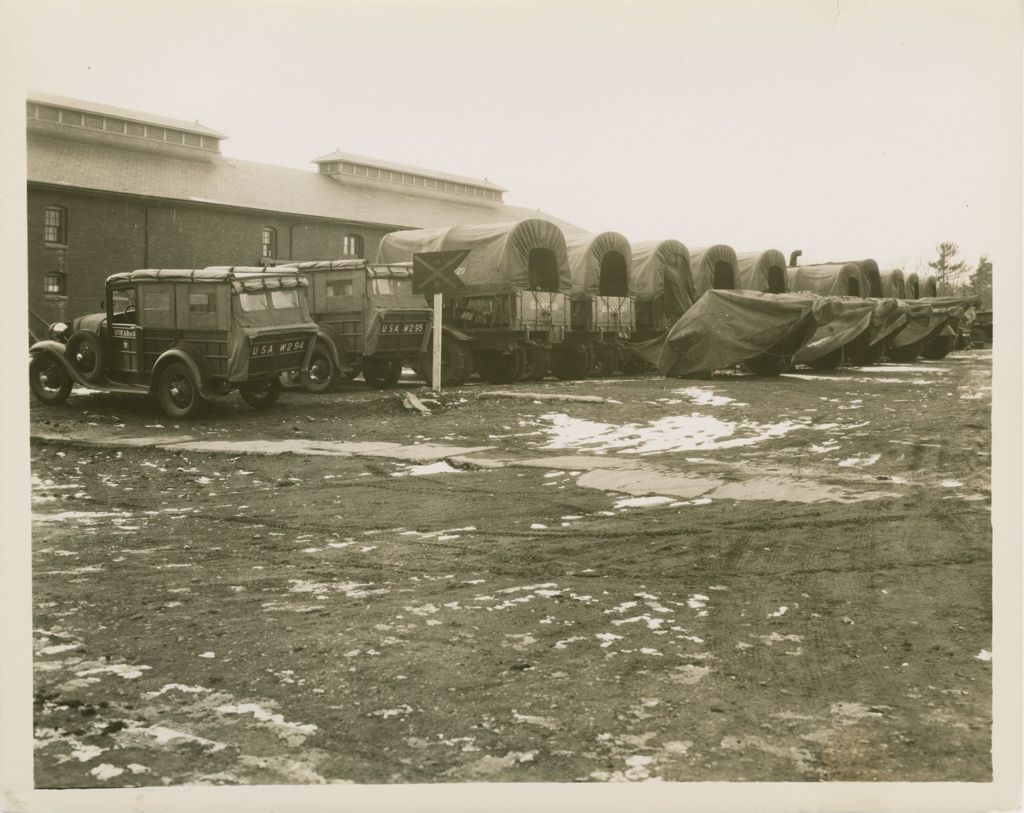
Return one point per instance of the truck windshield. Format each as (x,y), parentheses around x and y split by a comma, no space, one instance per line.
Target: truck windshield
(392,286)
(122,299)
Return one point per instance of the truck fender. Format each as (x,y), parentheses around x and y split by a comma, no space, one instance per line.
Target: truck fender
(448,333)
(324,337)
(58,351)
(191,359)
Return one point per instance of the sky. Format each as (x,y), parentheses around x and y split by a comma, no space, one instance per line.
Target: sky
(845,128)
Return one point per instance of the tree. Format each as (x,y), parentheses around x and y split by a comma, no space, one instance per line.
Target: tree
(948,269)
(981,282)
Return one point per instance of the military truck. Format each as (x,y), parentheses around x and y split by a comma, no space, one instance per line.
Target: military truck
(602,310)
(370,322)
(182,336)
(513,313)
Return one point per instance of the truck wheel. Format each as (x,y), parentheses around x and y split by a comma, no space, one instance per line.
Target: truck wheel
(538,359)
(907,352)
(261,394)
(869,355)
(86,354)
(938,348)
(768,364)
(319,376)
(456,363)
(177,391)
(48,380)
(631,363)
(604,358)
(501,368)
(830,361)
(571,361)
(382,374)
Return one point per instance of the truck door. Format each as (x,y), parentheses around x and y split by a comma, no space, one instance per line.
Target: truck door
(124,339)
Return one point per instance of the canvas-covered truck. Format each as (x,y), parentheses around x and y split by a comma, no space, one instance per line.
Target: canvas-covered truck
(662,284)
(828,279)
(894,284)
(369,321)
(513,311)
(602,309)
(182,336)
(763,271)
(714,268)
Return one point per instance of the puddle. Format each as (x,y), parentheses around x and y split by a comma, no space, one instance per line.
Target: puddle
(675,433)
(642,482)
(705,397)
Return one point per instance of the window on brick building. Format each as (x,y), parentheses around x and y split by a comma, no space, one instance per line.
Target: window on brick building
(55,284)
(352,246)
(268,243)
(55,225)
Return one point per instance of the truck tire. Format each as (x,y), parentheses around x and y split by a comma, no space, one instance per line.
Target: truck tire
(830,361)
(48,380)
(501,368)
(768,364)
(939,347)
(382,374)
(571,361)
(908,352)
(86,354)
(261,395)
(320,376)
(456,363)
(538,360)
(177,391)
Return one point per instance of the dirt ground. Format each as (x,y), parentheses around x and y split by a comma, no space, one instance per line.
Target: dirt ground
(734,579)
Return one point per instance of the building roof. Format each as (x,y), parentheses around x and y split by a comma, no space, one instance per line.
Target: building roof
(352,158)
(120,113)
(216,179)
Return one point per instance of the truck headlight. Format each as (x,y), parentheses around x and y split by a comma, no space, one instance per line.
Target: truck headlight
(60,332)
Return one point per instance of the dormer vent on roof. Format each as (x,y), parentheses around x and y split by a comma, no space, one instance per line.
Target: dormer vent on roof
(46,110)
(343,166)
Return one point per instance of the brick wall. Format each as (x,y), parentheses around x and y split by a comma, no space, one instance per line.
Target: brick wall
(109,233)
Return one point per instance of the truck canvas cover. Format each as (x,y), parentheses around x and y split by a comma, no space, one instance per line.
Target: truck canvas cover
(714,267)
(913,285)
(661,268)
(831,279)
(852,317)
(755,270)
(499,254)
(724,328)
(921,322)
(587,255)
(893,284)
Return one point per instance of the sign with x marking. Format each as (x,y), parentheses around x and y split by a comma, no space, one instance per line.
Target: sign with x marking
(438,272)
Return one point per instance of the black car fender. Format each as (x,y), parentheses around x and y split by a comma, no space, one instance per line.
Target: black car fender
(191,358)
(57,350)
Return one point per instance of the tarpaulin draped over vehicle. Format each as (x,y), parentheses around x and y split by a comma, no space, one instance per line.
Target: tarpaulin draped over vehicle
(661,268)
(893,283)
(724,328)
(852,317)
(921,323)
(887,317)
(499,259)
(714,267)
(763,271)
(833,279)
(592,256)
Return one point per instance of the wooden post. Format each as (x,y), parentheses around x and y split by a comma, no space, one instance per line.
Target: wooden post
(436,369)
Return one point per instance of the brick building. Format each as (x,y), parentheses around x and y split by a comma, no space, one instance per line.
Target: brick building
(114,190)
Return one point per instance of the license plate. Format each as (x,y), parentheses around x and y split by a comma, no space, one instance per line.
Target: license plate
(277,348)
(404,328)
